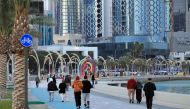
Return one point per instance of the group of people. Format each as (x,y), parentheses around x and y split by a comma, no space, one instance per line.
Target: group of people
(134,85)
(79,87)
(63,87)
(84,86)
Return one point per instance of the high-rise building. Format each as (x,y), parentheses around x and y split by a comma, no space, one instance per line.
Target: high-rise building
(188,15)
(122,21)
(179,10)
(89,19)
(47,31)
(43,9)
(69,16)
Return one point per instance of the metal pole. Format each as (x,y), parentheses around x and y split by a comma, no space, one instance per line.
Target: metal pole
(26,77)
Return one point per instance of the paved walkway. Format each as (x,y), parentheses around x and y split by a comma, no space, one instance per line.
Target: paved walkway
(98,101)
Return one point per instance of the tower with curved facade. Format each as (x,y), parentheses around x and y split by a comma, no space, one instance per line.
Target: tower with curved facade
(144,21)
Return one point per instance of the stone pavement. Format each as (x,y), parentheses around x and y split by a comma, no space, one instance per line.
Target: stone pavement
(98,100)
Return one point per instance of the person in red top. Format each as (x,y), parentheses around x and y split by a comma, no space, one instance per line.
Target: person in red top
(131,85)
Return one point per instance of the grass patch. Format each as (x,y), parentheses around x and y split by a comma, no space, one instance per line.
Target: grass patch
(35,102)
(5,104)
(9,92)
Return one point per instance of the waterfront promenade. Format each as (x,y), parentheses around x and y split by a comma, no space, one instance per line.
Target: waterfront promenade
(98,99)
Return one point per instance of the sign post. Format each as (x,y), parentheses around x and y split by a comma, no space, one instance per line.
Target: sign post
(26,41)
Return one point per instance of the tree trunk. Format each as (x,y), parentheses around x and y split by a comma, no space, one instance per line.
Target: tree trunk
(19,83)
(3,66)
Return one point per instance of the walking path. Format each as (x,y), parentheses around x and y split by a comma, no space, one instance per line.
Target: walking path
(98,101)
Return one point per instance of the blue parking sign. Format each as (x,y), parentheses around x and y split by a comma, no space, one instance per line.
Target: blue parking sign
(26,40)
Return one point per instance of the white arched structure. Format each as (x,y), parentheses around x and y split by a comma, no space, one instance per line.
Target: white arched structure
(38,64)
(64,49)
(37,61)
(10,58)
(50,60)
(104,61)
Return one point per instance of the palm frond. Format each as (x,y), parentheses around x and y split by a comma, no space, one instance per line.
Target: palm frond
(6,15)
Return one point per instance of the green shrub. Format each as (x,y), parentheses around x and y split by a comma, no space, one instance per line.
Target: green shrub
(5,104)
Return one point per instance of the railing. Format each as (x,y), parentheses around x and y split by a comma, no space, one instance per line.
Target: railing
(144,78)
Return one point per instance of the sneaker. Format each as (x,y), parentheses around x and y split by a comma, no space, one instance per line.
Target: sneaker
(85,105)
(130,101)
(62,101)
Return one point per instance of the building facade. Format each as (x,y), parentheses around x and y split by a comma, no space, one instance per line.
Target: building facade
(69,16)
(42,10)
(117,21)
(181,46)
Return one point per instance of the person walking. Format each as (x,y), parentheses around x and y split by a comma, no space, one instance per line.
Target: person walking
(54,79)
(62,92)
(149,89)
(77,86)
(93,79)
(37,81)
(68,82)
(48,76)
(139,87)
(131,85)
(51,89)
(86,91)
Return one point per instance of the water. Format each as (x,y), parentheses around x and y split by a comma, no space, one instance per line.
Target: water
(179,86)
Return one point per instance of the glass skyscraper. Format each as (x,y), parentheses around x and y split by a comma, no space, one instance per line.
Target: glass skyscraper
(144,21)
(139,18)
(89,19)
(69,16)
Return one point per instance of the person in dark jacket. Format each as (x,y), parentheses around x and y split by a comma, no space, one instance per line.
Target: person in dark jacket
(86,91)
(68,82)
(62,92)
(54,79)
(149,89)
(93,79)
(37,81)
(139,87)
(51,89)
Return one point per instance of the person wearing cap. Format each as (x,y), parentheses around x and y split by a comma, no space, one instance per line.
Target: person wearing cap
(77,86)
(86,91)
(149,89)
(51,89)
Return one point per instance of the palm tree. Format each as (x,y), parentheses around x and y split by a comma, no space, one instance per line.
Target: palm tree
(6,22)
(122,61)
(149,65)
(19,29)
(136,49)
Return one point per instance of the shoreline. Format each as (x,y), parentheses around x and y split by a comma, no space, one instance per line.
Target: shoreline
(173,100)
(143,79)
